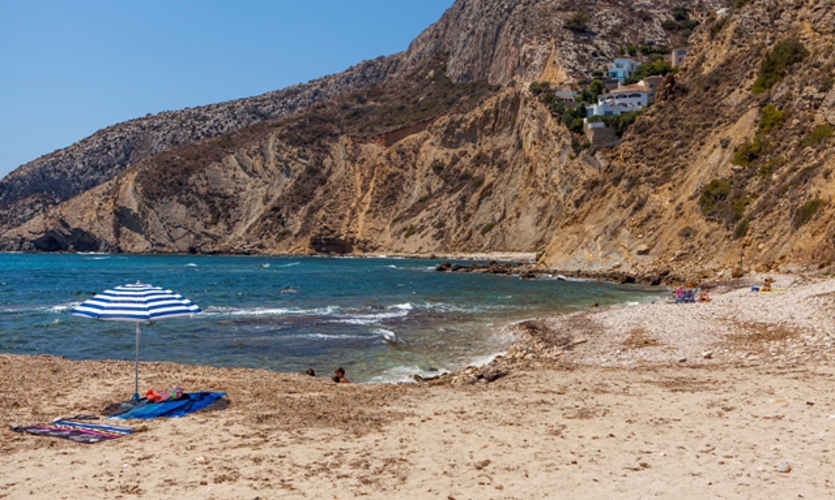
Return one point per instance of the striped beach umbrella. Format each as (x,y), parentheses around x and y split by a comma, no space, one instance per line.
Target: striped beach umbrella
(138,303)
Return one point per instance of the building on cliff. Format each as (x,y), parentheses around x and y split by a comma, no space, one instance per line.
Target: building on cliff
(626,98)
(621,69)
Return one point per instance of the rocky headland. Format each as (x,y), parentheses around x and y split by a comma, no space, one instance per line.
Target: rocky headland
(449,147)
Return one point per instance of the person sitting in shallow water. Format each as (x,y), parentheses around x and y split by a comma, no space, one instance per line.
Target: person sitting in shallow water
(339,376)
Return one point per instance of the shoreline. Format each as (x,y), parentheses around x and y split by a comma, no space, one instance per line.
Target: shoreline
(730,398)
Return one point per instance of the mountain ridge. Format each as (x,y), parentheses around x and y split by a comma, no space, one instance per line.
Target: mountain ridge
(454,152)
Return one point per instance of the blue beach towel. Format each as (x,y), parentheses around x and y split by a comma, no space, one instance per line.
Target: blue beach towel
(189,403)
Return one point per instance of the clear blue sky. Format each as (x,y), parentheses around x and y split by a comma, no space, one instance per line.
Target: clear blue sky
(69,68)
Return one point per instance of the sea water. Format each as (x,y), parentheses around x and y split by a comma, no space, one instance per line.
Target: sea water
(382,319)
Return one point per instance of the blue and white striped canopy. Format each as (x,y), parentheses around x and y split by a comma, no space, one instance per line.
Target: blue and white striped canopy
(138,303)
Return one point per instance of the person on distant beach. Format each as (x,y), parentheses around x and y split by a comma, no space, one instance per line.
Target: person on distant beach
(339,376)
(766,285)
(703,296)
(310,372)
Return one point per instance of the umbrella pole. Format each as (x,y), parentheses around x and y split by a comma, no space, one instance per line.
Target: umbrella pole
(136,385)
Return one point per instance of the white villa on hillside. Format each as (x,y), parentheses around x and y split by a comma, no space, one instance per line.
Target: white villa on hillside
(622,68)
(626,98)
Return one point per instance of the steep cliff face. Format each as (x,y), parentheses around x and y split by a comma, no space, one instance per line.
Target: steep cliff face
(489,173)
(723,174)
(448,152)
(494,40)
(58,176)
(526,40)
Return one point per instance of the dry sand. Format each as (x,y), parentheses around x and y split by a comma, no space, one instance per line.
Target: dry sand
(730,399)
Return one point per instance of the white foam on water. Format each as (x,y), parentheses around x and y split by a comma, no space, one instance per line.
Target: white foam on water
(289,265)
(389,336)
(269,311)
(446,307)
(56,309)
(560,277)
(370,319)
(327,336)
(60,308)
(403,374)
(484,360)
(191,264)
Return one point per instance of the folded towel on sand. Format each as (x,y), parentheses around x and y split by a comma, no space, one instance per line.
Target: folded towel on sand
(75,431)
(189,403)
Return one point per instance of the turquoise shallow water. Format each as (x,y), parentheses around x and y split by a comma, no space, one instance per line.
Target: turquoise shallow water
(383,319)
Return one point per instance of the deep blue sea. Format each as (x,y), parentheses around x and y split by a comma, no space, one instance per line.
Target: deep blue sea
(382,319)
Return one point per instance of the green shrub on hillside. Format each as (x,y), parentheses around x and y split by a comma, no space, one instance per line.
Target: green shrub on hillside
(577,23)
(741,229)
(622,122)
(817,135)
(572,117)
(750,152)
(771,118)
(767,169)
(487,228)
(719,200)
(658,67)
(805,213)
(656,50)
(591,92)
(777,62)
(538,87)
(737,208)
(717,190)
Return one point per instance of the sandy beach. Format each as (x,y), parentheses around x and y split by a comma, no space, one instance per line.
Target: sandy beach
(728,399)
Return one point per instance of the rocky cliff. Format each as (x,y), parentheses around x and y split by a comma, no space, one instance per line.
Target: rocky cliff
(726,173)
(486,40)
(475,167)
(526,40)
(448,149)
(58,176)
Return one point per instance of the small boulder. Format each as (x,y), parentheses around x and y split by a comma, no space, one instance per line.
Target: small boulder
(784,468)
(443,267)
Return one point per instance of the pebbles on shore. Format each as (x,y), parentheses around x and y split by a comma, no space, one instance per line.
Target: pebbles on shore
(738,326)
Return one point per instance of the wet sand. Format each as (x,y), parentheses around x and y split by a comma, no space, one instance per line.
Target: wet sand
(730,399)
